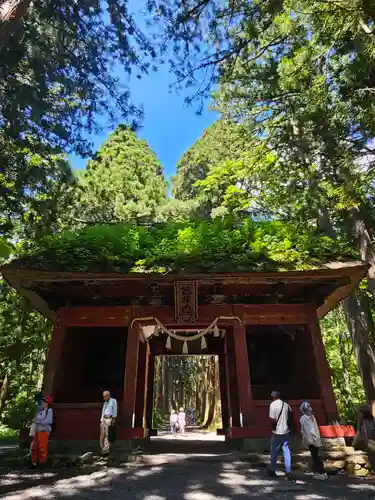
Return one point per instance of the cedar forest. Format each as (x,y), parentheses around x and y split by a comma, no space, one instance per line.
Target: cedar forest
(283,180)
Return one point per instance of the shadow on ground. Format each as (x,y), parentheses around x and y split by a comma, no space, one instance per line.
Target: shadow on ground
(177,479)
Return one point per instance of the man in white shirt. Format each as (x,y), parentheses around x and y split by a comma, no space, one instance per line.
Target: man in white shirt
(108,418)
(279,411)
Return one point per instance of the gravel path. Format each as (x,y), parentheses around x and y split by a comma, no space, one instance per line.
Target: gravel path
(185,479)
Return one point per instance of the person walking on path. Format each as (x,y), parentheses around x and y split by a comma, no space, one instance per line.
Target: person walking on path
(173,419)
(278,414)
(366,433)
(182,421)
(311,438)
(108,419)
(43,425)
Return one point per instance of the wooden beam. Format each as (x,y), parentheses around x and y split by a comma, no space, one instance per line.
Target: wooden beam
(150,391)
(17,278)
(330,270)
(271,314)
(250,314)
(232,379)
(130,379)
(141,385)
(243,375)
(224,392)
(95,316)
(54,356)
(322,368)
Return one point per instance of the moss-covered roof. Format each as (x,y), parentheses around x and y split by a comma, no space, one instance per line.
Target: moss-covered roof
(216,246)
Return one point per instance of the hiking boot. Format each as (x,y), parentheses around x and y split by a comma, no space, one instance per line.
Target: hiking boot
(288,476)
(271,473)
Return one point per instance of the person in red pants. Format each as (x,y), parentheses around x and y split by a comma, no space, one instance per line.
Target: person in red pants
(43,422)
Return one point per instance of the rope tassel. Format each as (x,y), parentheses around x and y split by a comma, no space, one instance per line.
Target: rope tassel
(168,344)
(185,349)
(203,343)
(216,331)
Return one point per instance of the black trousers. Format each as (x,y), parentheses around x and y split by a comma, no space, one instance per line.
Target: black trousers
(318,466)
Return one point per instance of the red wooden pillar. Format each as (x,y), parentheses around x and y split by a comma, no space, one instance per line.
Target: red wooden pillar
(150,391)
(141,385)
(323,371)
(54,355)
(130,382)
(232,379)
(224,391)
(243,375)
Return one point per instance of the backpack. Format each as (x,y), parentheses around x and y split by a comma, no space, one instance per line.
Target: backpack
(53,425)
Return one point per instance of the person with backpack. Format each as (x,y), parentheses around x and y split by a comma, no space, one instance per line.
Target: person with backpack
(280,414)
(43,425)
(311,438)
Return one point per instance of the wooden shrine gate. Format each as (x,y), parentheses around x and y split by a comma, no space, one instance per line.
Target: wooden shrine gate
(108,329)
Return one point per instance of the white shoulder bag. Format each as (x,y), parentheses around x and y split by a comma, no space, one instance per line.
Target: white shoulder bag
(32,429)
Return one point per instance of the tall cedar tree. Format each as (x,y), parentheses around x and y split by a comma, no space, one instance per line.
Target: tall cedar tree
(222,140)
(124,182)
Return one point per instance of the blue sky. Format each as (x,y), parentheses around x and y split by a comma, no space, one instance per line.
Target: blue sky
(169,126)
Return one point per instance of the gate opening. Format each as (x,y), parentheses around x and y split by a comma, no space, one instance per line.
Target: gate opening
(189,385)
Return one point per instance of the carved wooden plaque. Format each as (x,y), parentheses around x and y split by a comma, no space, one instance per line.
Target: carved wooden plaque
(186,301)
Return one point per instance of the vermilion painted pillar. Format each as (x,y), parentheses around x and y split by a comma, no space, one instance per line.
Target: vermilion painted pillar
(232,379)
(323,370)
(224,391)
(141,385)
(150,391)
(243,375)
(53,358)
(130,382)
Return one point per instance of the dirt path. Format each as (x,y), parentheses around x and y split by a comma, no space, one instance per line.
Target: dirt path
(183,478)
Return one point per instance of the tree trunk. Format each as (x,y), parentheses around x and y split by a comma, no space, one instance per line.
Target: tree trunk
(4,392)
(11,13)
(11,10)
(365,245)
(197,400)
(356,308)
(165,383)
(212,394)
(345,372)
(360,323)
(159,373)
(204,391)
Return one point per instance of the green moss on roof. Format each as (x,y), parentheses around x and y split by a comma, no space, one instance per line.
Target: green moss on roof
(216,246)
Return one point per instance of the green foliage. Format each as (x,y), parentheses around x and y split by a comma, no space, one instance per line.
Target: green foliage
(177,210)
(7,434)
(160,418)
(123,183)
(5,249)
(57,70)
(223,140)
(23,346)
(347,383)
(35,190)
(220,245)
(298,78)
